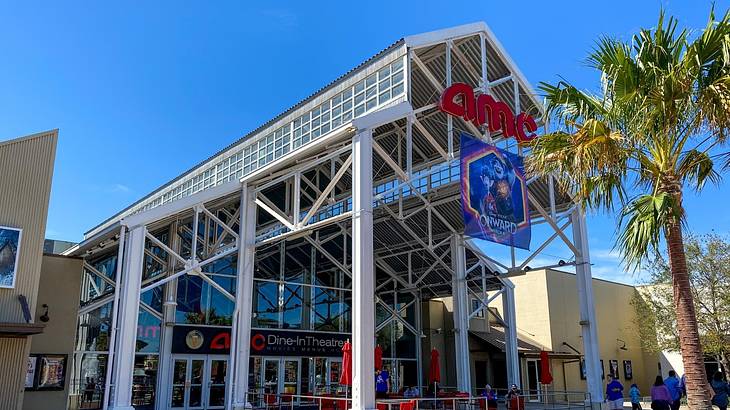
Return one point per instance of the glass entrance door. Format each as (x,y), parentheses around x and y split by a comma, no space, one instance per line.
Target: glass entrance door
(280,376)
(217,375)
(198,382)
(325,374)
(533,380)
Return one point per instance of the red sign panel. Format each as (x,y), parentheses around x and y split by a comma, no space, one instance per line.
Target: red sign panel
(459,100)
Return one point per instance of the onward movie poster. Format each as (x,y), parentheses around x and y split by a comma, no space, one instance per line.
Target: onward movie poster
(494,194)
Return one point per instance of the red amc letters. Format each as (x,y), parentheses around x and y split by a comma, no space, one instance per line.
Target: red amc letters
(486,110)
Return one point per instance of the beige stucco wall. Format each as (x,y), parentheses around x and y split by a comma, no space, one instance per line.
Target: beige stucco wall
(59,289)
(26,171)
(547,311)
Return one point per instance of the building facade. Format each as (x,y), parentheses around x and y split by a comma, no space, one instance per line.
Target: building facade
(56,309)
(26,166)
(240,280)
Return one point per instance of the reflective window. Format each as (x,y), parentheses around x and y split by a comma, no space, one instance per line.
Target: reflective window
(201,304)
(144,380)
(93,329)
(88,380)
(148,332)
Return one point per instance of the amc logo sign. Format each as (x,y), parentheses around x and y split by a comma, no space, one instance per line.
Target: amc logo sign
(258,342)
(459,100)
(201,339)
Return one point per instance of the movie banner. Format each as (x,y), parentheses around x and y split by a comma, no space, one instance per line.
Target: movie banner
(494,194)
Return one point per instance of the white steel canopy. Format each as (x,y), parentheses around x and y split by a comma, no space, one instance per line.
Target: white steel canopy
(366,172)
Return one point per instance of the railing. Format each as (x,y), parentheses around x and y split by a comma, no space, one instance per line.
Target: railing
(444,401)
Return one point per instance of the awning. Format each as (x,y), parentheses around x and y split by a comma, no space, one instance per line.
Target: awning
(15,330)
(496,338)
(524,347)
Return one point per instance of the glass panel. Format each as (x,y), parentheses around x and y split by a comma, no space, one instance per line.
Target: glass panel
(93,329)
(178,396)
(266,305)
(148,332)
(292,307)
(196,394)
(217,392)
(199,303)
(179,371)
(291,376)
(320,375)
(89,382)
(335,372)
(144,380)
(196,374)
(331,313)
(271,376)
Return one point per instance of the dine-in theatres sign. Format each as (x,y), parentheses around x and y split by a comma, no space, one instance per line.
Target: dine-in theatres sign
(484,109)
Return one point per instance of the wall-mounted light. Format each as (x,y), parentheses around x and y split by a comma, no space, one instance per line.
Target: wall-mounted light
(44,317)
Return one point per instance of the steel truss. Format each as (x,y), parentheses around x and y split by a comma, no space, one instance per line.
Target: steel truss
(388,186)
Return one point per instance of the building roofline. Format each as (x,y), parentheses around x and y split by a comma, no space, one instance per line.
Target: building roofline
(257,130)
(414,41)
(42,134)
(594,278)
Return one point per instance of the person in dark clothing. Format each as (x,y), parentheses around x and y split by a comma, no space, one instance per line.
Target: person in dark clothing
(720,391)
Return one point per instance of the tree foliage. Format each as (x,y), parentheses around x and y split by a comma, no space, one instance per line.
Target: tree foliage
(708,258)
(657,127)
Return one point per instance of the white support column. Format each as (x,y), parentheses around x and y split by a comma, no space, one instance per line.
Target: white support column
(461,314)
(510,333)
(587,308)
(244,297)
(363,274)
(169,306)
(123,365)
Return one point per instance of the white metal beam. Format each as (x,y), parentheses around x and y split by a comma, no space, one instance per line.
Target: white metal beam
(363,274)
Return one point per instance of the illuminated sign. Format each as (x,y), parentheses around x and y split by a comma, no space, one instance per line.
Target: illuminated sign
(263,342)
(459,100)
(294,343)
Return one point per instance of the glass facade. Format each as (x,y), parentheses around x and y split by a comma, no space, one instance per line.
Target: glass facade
(300,287)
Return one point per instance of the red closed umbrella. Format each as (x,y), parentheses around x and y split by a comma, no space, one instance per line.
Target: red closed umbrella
(434,372)
(346,376)
(545,376)
(378,357)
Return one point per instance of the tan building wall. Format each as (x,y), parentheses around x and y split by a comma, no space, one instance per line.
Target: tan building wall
(26,170)
(547,310)
(59,289)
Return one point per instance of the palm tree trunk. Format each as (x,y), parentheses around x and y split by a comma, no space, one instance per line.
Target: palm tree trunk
(698,393)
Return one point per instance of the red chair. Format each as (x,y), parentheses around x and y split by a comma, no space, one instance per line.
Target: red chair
(270,400)
(408,405)
(517,403)
(381,406)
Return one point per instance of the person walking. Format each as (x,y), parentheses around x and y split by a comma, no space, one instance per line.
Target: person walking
(615,394)
(720,389)
(635,395)
(675,390)
(661,399)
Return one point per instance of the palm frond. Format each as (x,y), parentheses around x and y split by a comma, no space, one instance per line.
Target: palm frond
(696,168)
(570,104)
(642,226)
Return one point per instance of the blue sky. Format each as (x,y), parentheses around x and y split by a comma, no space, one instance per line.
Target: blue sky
(142,91)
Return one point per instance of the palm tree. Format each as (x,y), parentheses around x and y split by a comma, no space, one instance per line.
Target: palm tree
(655,129)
